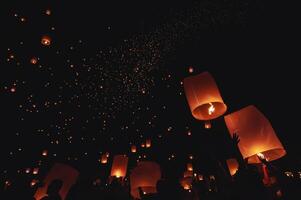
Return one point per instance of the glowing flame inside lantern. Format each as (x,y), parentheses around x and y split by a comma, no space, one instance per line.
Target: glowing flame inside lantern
(118,174)
(261,156)
(211,109)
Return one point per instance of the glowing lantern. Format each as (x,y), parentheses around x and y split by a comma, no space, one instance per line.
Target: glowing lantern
(148,143)
(107,154)
(46,40)
(119,166)
(27,171)
(186,183)
(33,182)
(232,166)
(34,60)
(203,97)
(188,174)
(142,145)
(62,172)
(207,125)
(189,167)
(48,12)
(45,153)
(133,149)
(104,159)
(257,137)
(145,175)
(35,171)
(200,177)
(190,69)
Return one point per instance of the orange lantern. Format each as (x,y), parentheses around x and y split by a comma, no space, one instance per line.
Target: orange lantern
(133,149)
(186,183)
(45,153)
(189,167)
(33,182)
(142,145)
(257,137)
(145,175)
(62,172)
(104,159)
(34,60)
(188,174)
(35,171)
(119,166)
(27,171)
(207,125)
(203,97)
(48,12)
(232,166)
(46,40)
(148,143)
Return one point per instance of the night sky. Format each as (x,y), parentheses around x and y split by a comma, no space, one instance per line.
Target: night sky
(112,75)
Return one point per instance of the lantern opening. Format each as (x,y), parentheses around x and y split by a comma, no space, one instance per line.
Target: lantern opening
(209,111)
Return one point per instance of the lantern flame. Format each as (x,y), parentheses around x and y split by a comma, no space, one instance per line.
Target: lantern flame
(211,109)
(260,155)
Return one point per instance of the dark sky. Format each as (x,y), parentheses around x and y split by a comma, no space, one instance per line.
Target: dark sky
(112,76)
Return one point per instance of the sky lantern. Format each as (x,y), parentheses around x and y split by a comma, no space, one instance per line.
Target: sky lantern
(45,153)
(203,97)
(133,149)
(48,12)
(142,144)
(232,165)
(46,40)
(145,175)
(104,159)
(188,174)
(35,171)
(189,167)
(148,143)
(186,183)
(62,172)
(119,166)
(257,136)
(33,60)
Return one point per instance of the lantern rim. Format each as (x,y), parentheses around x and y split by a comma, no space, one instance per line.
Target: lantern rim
(201,112)
(271,155)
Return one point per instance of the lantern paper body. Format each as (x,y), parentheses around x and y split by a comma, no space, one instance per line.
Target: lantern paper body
(202,93)
(145,175)
(148,143)
(133,149)
(189,167)
(59,171)
(46,40)
(119,166)
(256,134)
(188,174)
(186,183)
(104,159)
(232,166)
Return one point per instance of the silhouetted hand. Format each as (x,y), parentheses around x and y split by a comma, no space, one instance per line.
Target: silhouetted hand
(235,139)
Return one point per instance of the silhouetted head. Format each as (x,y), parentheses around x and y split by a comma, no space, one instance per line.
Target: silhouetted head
(54,187)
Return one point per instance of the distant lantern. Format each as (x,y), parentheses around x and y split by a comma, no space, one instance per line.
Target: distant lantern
(257,136)
(107,154)
(62,172)
(33,182)
(146,176)
(46,40)
(188,174)
(27,171)
(190,70)
(104,159)
(142,144)
(207,125)
(35,171)
(34,60)
(45,153)
(203,97)
(189,167)
(119,166)
(186,183)
(232,166)
(48,12)
(200,177)
(133,149)
(148,143)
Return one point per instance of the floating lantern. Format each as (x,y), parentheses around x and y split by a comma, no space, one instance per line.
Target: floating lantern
(33,182)
(27,171)
(186,183)
(48,12)
(188,174)
(34,60)
(190,70)
(35,171)
(62,172)
(189,167)
(119,166)
(203,97)
(207,125)
(46,40)
(145,175)
(257,137)
(142,144)
(148,143)
(133,149)
(104,159)
(232,166)
(45,153)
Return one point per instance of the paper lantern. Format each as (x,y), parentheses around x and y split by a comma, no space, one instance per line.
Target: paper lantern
(188,174)
(203,97)
(232,166)
(27,171)
(148,143)
(186,183)
(145,175)
(189,167)
(35,171)
(45,153)
(62,172)
(33,182)
(133,149)
(257,137)
(119,166)
(104,159)
(207,125)
(142,145)
(34,60)
(46,40)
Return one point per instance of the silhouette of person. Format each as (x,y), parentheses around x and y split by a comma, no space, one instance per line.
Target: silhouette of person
(53,190)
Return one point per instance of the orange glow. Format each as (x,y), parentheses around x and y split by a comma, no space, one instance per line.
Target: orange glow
(257,136)
(189,167)
(145,175)
(119,166)
(148,143)
(33,182)
(59,171)
(46,40)
(142,145)
(35,171)
(207,125)
(190,70)
(45,153)
(188,174)
(232,166)
(186,183)
(133,149)
(203,97)
(34,60)
(104,159)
